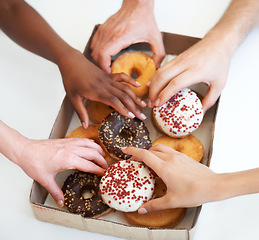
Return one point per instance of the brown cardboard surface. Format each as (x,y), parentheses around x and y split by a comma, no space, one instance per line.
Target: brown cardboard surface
(113,224)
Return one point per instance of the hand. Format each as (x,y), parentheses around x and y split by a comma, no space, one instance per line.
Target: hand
(188,182)
(43,159)
(83,80)
(131,24)
(207,61)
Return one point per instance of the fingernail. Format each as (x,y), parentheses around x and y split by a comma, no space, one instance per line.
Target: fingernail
(142,211)
(143,103)
(148,84)
(60,203)
(142,116)
(131,115)
(157,102)
(138,84)
(84,125)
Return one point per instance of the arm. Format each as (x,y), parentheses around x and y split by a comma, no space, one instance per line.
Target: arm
(190,183)
(43,159)
(81,78)
(207,61)
(133,23)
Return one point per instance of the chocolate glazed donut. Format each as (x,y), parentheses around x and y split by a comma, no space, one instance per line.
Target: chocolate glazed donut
(118,131)
(73,189)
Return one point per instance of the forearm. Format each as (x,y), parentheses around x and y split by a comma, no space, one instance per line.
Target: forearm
(148,4)
(237,184)
(27,28)
(11,143)
(241,17)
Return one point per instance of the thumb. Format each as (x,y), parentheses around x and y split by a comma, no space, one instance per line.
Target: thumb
(158,49)
(55,191)
(153,205)
(78,104)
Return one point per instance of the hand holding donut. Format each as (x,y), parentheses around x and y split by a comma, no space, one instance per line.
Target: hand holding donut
(205,62)
(188,182)
(83,80)
(133,23)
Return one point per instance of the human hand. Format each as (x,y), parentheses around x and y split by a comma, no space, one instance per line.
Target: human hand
(83,80)
(43,159)
(133,23)
(188,182)
(207,61)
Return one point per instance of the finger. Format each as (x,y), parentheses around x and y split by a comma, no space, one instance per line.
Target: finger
(122,77)
(183,80)
(103,57)
(154,205)
(78,104)
(54,190)
(92,155)
(158,49)
(86,143)
(211,97)
(111,100)
(161,148)
(147,157)
(129,99)
(159,81)
(88,166)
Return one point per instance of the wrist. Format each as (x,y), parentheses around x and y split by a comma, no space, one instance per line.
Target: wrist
(12,144)
(136,4)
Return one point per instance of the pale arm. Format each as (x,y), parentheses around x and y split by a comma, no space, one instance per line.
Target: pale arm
(190,183)
(43,159)
(207,61)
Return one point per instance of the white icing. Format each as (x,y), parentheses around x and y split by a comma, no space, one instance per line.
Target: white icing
(181,115)
(126,185)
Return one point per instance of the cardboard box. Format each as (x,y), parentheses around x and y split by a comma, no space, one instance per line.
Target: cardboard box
(113,224)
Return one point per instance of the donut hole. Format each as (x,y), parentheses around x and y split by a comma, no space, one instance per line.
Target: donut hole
(126,133)
(135,73)
(87,194)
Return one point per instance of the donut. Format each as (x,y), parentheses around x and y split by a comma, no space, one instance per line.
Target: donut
(97,111)
(166,218)
(118,131)
(91,133)
(190,145)
(138,63)
(126,185)
(73,189)
(180,115)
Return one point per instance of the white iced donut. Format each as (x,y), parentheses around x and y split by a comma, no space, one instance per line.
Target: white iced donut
(180,115)
(126,185)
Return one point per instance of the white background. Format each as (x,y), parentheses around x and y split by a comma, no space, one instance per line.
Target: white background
(31,93)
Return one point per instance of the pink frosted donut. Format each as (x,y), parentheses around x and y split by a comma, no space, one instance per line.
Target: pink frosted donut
(180,115)
(126,185)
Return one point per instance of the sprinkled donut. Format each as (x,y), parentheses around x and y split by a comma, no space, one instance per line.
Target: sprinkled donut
(136,62)
(126,185)
(180,115)
(73,190)
(118,131)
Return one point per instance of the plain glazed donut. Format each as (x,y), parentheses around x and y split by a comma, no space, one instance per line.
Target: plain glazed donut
(97,111)
(190,146)
(180,115)
(91,133)
(126,185)
(136,62)
(118,131)
(166,218)
(73,190)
